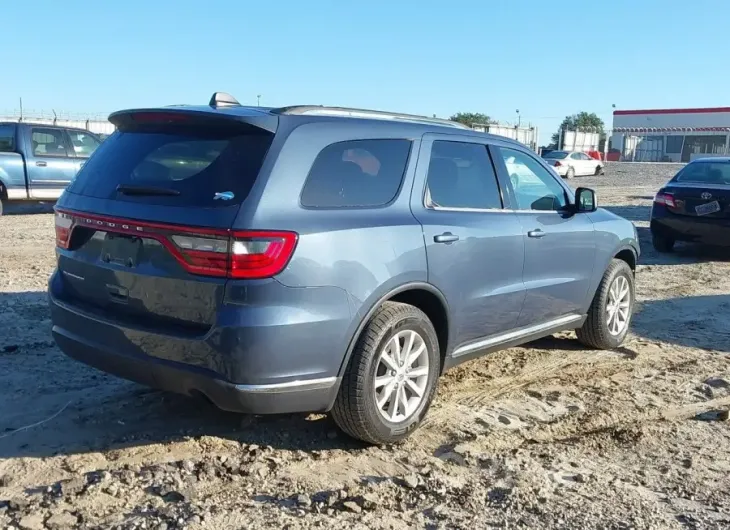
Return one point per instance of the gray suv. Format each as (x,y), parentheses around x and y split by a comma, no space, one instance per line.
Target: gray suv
(280,260)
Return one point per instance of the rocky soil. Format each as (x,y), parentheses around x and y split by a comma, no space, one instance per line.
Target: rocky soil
(545,436)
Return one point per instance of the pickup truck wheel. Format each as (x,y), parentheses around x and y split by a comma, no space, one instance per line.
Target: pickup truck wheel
(391,378)
(610,313)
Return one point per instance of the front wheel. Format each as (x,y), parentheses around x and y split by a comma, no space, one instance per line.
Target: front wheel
(599,171)
(610,313)
(391,378)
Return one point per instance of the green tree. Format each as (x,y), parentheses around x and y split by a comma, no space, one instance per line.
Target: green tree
(582,122)
(470,118)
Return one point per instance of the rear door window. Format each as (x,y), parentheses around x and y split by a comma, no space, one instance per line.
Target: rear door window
(48,143)
(461,176)
(203,167)
(356,174)
(7,138)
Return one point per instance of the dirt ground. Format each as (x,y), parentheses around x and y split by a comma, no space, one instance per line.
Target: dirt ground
(545,436)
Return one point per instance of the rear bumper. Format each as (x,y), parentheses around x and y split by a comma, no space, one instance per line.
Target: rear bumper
(702,230)
(240,367)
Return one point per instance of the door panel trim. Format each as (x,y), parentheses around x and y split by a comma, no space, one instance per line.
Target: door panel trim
(516,334)
(46,193)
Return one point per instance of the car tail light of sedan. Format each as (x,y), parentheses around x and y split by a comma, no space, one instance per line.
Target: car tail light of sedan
(557,163)
(666,199)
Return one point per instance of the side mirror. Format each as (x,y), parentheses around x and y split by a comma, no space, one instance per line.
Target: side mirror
(585,200)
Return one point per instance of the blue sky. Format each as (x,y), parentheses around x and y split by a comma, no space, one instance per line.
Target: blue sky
(416,56)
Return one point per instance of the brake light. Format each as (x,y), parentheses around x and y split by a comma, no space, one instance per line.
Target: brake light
(260,254)
(557,163)
(63,229)
(665,198)
(201,251)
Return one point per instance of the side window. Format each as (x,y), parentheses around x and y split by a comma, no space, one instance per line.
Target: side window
(83,143)
(7,138)
(460,175)
(48,142)
(535,188)
(576,156)
(584,156)
(358,173)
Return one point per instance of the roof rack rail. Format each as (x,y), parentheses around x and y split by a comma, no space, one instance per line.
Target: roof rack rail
(320,110)
(222,99)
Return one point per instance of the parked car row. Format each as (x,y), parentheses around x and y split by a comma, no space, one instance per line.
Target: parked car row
(324,259)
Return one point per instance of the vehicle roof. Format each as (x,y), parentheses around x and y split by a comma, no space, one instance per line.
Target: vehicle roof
(377,119)
(725,159)
(36,124)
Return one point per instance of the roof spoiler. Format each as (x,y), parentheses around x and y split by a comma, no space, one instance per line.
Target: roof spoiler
(223,99)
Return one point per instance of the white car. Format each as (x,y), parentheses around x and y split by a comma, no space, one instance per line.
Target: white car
(569,164)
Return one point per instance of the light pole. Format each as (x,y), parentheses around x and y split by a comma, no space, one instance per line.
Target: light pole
(519,120)
(258,100)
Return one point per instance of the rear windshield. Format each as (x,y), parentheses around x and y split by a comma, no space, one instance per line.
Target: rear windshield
(705,172)
(205,168)
(555,155)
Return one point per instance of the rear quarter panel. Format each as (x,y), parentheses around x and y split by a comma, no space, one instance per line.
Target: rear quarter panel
(366,252)
(613,234)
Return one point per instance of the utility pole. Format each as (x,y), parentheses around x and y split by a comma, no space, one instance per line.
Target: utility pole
(258,100)
(21,109)
(519,120)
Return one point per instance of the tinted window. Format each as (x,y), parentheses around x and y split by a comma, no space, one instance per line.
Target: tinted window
(705,172)
(359,173)
(83,143)
(460,175)
(7,138)
(535,188)
(48,142)
(197,164)
(558,155)
(575,156)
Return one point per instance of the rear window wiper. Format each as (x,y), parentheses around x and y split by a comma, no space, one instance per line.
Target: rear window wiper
(146,190)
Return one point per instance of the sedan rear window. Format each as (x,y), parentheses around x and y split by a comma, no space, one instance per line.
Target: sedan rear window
(205,168)
(705,172)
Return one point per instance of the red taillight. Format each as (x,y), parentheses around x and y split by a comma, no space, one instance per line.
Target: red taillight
(63,229)
(665,198)
(201,251)
(260,254)
(557,163)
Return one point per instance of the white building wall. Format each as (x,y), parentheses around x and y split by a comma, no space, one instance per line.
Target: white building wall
(666,119)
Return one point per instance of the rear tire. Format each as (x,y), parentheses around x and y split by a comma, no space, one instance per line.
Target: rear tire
(1,207)
(662,244)
(598,330)
(356,409)
(570,173)
(599,171)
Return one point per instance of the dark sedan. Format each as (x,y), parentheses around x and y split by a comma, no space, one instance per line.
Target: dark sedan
(694,206)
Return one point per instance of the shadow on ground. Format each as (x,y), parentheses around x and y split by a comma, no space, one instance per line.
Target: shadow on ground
(690,321)
(27,208)
(52,404)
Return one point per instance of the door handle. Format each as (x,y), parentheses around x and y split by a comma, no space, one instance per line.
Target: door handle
(536,233)
(446,237)
(41,164)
